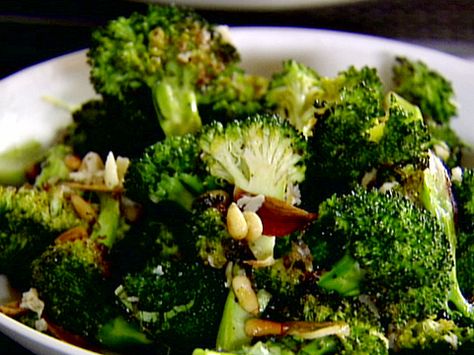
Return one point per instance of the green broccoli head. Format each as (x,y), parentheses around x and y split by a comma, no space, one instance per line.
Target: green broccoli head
(365,333)
(428,335)
(71,277)
(172,52)
(30,219)
(169,170)
(404,137)
(109,124)
(177,303)
(234,94)
(210,236)
(403,252)
(426,88)
(292,93)
(155,234)
(287,278)
(362,130)
(343,145)
(53,166)
(261,155)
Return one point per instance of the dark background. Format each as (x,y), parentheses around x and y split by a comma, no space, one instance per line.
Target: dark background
(32,31)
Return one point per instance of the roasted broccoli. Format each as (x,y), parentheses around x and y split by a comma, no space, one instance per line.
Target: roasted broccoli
(72,277)
(169,170)
(360,131)
(426,88)
(342,142)
(178,304)
(124,127)
(211,241)
(30,220)
(434,95)
(260,155)
(169,54)
(399,248)
(53,167)
(428,336)
(292,94)
(233,95)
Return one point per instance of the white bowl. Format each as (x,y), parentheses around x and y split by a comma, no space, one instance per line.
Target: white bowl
(25,114)
(254,5)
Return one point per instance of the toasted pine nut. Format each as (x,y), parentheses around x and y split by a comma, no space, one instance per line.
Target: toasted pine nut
(72,234)
(236,224)
(92,162)
(122,167)
(111,178)
(83,208)
(261,327)
(254,225)
(73,162)
(245,294)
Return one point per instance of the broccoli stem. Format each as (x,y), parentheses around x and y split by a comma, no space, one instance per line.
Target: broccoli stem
(456,297)
(231,335)
(108,222)
(176,106)
(437,198)
(118,333)
(344,277)
(177,192)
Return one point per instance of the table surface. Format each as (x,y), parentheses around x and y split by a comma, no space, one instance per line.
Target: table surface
(33,31)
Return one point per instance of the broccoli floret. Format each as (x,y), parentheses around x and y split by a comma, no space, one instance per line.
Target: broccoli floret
(233,95)
(53,166)
(179,304)
(170,170)
(426,88)
(109,124)
(260,155)
(168,52)
(342,142)
(30,219)
(430,335)
(401,135)
(359,131)
(399,247)
(210,235)
(287,277)
(292,93)
(365,334)
(434,95)
(156,233)
(72,276)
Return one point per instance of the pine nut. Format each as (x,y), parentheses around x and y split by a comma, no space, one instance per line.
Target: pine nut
(236,223)
(245,294)
(83,208)
(254,225)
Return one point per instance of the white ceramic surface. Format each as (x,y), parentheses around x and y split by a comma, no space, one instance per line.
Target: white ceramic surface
(25,114)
